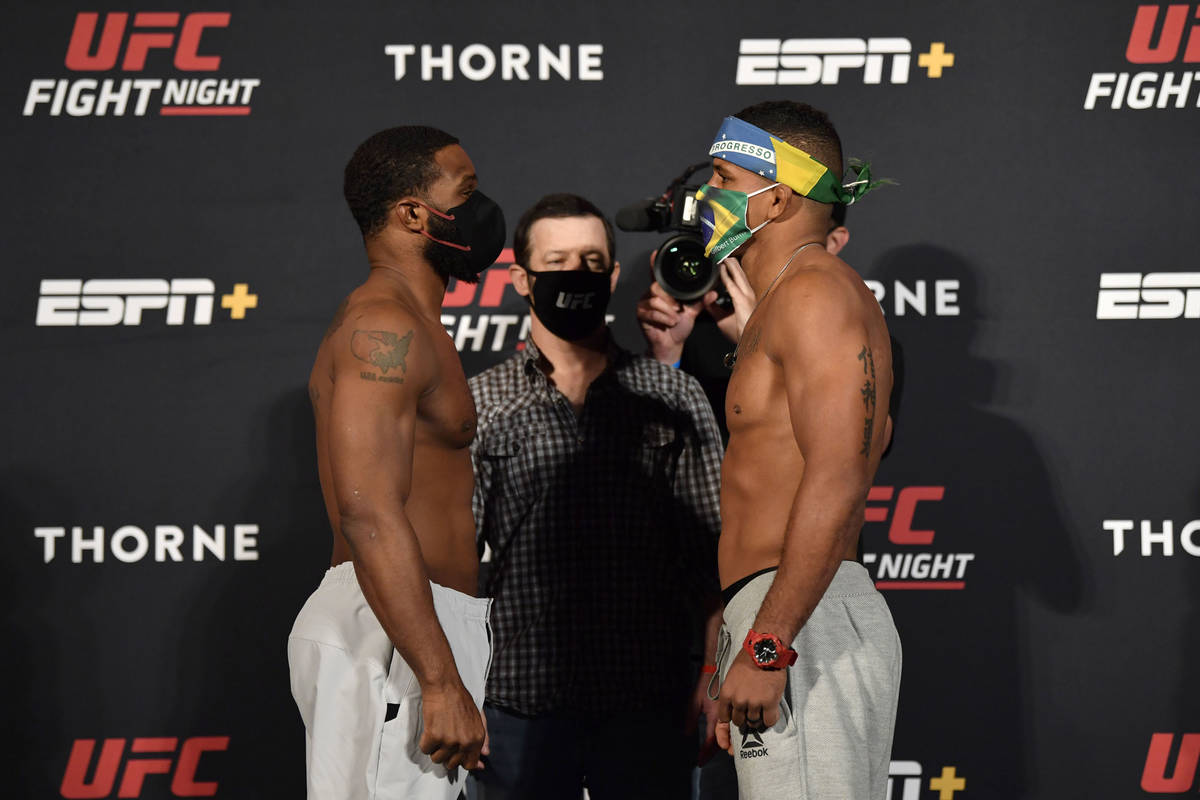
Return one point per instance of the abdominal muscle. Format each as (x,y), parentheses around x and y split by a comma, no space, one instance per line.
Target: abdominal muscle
(758,485)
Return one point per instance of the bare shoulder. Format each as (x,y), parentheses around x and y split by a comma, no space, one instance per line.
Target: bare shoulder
(818,301)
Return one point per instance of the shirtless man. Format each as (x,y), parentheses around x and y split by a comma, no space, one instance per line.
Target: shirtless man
(810,662)
(389,655)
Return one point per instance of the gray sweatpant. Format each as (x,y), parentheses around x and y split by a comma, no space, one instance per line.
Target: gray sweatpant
(833,739)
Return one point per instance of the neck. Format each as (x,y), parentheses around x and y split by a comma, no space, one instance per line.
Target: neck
(762,261)
(571,361)
(405,271)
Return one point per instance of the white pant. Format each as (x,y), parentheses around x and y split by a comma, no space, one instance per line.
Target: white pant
(361,703)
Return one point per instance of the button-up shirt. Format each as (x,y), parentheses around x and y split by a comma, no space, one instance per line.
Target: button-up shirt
(603,531)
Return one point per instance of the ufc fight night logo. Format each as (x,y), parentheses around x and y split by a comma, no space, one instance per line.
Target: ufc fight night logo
(1160,35)
(804,62)
(102,302)
(1155,295)
(140,769)
(1159,776)
(102,43)
(905,568)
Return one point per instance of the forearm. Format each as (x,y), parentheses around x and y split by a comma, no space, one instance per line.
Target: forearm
(824,518)
(391,572)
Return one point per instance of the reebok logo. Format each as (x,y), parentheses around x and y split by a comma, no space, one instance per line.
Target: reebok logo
(752,745)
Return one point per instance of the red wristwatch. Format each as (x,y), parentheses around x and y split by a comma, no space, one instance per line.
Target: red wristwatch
(768,651)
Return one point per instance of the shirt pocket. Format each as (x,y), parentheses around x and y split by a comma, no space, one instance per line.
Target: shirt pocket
(515,469)
(656,453)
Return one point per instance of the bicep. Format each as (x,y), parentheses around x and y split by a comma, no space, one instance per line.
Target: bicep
(371,432)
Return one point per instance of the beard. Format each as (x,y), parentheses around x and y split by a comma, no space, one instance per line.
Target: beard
(448,262)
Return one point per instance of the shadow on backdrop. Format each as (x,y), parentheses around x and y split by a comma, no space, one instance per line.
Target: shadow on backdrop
(966,695)
(233,645)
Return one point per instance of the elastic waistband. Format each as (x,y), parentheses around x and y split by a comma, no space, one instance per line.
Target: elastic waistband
(850,580)
(445,599)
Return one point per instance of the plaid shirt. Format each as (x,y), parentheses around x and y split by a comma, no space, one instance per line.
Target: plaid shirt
(603,530)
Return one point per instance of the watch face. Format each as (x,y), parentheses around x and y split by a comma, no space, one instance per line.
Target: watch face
(764,651)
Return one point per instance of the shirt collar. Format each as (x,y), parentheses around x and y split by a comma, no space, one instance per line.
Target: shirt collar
(617,357)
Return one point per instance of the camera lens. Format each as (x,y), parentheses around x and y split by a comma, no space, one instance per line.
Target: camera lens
(682,269)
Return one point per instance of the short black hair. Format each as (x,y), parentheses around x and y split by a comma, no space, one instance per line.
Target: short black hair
(800,125)
(558,206)
(389,165)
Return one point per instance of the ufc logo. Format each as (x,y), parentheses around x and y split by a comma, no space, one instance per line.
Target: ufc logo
(901,530)
(1155,295)
(1139,49)
(1154,776)
(100,302)
(572,300)
(149,760)
(809,61)
(151,31)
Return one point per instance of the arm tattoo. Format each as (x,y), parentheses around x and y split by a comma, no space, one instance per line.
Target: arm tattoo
(381,349)
(868,396)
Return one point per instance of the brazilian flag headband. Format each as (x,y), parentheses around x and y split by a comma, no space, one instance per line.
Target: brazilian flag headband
(752,148)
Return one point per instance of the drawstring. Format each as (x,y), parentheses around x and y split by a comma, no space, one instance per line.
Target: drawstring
(723,642)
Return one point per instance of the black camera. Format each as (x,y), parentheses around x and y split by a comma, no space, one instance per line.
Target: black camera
(679,263)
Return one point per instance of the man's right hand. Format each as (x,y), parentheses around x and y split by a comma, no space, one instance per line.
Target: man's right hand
(454,732)
(666,322)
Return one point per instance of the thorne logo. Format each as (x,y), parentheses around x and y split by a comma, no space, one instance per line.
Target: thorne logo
(1174,25)
(74,303)
(513,62)
(147,756)
(1158,777)
(904,568)
(130,543)
(1155,295)
(916,297)
(791,62)
(102,43)
(1155,536)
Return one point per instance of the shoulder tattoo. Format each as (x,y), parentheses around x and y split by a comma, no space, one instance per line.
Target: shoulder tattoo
(384,351)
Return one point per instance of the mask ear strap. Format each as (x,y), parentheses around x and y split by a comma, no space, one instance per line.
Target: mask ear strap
(433,210)
(466,248)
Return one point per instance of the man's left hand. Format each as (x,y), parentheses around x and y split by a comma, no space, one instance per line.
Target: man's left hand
(750,696)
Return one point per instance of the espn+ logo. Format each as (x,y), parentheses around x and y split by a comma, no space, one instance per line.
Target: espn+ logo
(792,62)
(148,756)
(100,302)
(1154,295)
(102,43)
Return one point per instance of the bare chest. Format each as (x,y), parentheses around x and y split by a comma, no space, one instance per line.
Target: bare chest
(446,414)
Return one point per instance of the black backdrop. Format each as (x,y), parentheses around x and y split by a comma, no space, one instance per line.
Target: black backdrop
(1034,527)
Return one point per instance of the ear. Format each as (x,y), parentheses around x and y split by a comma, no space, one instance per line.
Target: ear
(519,278)
(836,239)
(616,273)
(409,214)
(780,196)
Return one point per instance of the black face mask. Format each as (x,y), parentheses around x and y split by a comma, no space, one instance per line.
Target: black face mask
(466,239)
(571,303)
